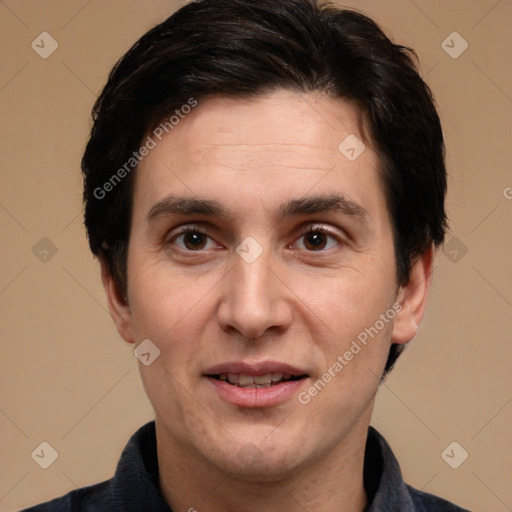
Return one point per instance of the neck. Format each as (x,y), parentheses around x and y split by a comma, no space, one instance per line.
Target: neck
(332,483)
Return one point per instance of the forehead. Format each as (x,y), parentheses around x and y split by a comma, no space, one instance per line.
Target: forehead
(279,126)
(271,146)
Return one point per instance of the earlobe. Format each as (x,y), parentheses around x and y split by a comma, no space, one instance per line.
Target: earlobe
(413,299)
(117,305)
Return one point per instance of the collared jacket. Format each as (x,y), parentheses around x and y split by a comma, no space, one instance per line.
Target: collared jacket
(135,484)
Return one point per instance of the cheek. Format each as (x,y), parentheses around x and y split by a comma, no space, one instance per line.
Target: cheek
(356,340)
(162,295)
(170,312)
(349,301)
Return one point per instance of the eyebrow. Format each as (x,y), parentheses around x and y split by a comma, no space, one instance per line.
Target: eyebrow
(335,203)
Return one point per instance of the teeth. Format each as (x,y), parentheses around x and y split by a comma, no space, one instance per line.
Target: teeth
(263,379)
(257,381)
(233,378)
(245,380)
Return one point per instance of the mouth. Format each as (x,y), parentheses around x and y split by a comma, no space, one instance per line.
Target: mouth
(263,384)
(243,380)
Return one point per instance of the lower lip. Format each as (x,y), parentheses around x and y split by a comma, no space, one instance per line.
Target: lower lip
(256,397)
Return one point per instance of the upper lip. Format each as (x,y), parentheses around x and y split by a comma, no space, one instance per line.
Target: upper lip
(254,368)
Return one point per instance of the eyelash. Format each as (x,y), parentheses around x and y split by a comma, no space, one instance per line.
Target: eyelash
(312,229)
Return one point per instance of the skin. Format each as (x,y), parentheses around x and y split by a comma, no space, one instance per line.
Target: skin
(292,304)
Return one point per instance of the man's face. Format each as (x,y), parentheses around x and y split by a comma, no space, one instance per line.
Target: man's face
(257,291)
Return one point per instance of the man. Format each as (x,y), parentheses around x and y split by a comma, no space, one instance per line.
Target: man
(264,189)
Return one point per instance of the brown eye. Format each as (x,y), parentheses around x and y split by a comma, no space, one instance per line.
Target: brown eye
(192,239)
(318,239)
(315,240)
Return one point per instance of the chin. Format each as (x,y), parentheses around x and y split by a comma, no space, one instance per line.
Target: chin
(255,459)
(262,467)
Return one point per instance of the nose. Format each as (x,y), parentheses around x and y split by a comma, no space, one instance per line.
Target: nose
(255,299)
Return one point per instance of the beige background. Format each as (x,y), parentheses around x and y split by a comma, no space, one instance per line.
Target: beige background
(68,379)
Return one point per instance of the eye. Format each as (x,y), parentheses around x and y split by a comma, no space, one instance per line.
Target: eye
(317,239)
(192,238)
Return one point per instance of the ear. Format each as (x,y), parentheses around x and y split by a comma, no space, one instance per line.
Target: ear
(413,299)
(117,305)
